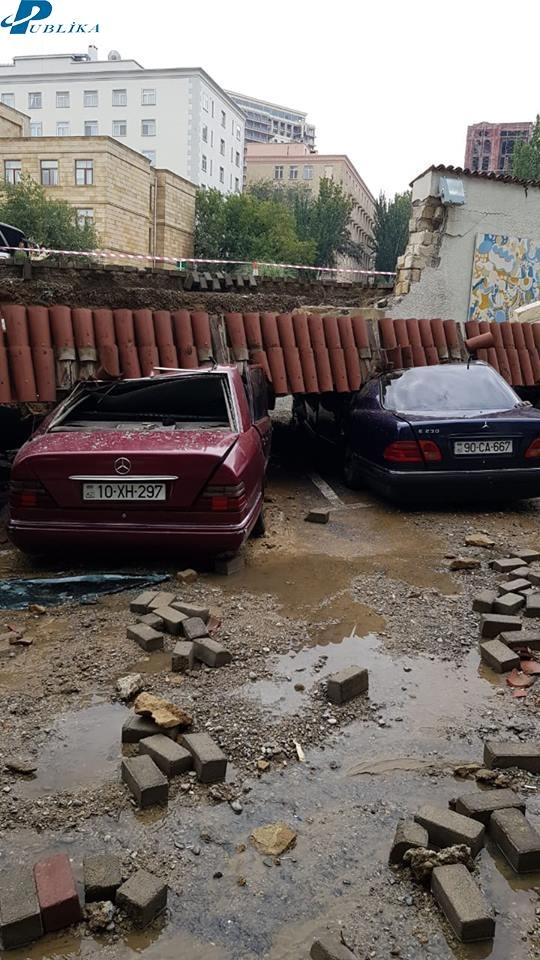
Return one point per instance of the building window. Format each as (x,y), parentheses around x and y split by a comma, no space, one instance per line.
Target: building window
(222,147)
(205,102)
(119,128)
(35,101)
(119,98)
(238,132)
(85,216)
(221,175)
(91,128)
(49,173)
(148,97)
(204,164)
(62,98)
(148,128)
(278,173)
(150,155)
(84,173)
(237,185)
(90,98)
(293,173)
(232,154)
(36,129)
(205,134)
(211,167)
(223,118)
(213,108)
(232,127)
(308,172)
(237,159)
(211,138)
(12,171)
(8,99)
(62,129)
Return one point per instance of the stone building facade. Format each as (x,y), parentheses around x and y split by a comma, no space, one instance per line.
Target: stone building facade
(13,123)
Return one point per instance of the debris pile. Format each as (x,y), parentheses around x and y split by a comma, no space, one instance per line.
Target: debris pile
(165,614)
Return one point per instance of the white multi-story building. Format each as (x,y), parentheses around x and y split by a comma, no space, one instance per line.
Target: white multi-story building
(177,117)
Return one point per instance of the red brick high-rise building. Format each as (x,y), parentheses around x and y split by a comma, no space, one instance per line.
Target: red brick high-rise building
(490,145)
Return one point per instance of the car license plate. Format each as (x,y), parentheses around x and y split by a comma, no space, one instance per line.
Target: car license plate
(124,491)
(482,448)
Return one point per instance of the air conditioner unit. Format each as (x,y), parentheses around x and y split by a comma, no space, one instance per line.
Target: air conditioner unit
(451,192)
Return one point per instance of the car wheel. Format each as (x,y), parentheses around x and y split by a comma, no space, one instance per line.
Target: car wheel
(351,470)
(259,529)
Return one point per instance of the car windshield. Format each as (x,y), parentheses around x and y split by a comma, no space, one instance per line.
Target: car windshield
(180,403)
(445,388)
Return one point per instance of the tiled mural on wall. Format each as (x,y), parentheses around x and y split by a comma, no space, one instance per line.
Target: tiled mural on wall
(505,275)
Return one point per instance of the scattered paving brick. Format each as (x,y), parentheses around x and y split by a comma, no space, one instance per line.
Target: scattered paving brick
(408,834)
(136,728)
(533,574)
(212,653)
(481,805)
(169,756)
(142,897)
(507,564)
(446,828)
(492,624)
(152,620)
(172,619)
(517,839)
(532,608)
(57,893)
(317,516)
(102,877)
(183,656)
(463,903)
(500,755)
(527,555)
(191,610)
(194,628)
(526,638)
(147,638)
(187,576)
(145,780)
(347,684)
(498,656)
(20,914)
(225,566)
(483,603)
(522,572)
(509,603)
(516,585)
(208,759)
(142,603)
(329,948)
(162,599)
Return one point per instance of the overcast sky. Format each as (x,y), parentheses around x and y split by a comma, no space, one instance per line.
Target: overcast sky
(391,84)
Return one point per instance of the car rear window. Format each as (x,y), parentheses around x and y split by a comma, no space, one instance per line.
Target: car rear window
(447,388)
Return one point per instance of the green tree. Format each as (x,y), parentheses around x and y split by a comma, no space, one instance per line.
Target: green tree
(526,156)
(391,229)
(45,220)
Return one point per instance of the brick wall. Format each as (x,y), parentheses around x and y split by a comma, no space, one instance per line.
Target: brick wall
(175,215)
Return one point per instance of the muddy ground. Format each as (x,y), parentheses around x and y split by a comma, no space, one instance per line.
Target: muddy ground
(372,587)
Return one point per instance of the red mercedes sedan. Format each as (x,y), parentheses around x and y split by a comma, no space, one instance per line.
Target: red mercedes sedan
(174,460)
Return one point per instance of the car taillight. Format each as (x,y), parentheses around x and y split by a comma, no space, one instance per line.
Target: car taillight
(411,451)
(28,495)
(533,450)
(227,499)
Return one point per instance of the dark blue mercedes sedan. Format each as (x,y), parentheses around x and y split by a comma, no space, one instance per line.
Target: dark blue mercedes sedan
(456,430)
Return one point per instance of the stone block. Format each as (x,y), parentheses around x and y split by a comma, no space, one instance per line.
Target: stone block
(527,555)
(506,564)
(532,608)
(142,897)
(493,624)
(522,572)
(317,516)
(162,599)
(208,759)
(136,728)
(462,903)
(187,576)
(145,780)
(483,803)
(515,585)
(212,653)
(151,620)
(498,656)
(329,948)
(147,638)
(509,603)
(408,834)
(525,638)
(183,656)
(193,628)
(20,914)
(517,839)
(169,756)
(192,610)
(142,603)
(446,828)
(347,684)
(533,574)
(102,877)
(226,566)
(500,755)
(57,893)
(173,619)
(483,603)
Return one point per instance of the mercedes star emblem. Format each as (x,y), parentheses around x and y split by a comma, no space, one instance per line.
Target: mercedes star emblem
(122,466)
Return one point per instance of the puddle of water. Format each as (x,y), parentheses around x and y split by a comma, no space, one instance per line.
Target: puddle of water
(83,748)
(158,662)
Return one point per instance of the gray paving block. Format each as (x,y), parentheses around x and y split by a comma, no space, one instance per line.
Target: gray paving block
(516,585)
(408,834)
(527,555)
(492,624)
(173,619)
(481,804)
(145,780)
(507,564)
(208,759)
(509,603)
(483,603)
(147,638)
(522,572)
(142,897)
(463,903)
(136,728)
(517,839)
(525,638)
(503,754)
(329,948)
(194,628)
(102,876)
(162,599)
(347,684)
(192,610)
(141,604)
(151,620)
(533,574)
(183,656)
(226,566)
(212,653)
(20,915)
(169,756)
(498,656)
(446,828)
(532,608)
